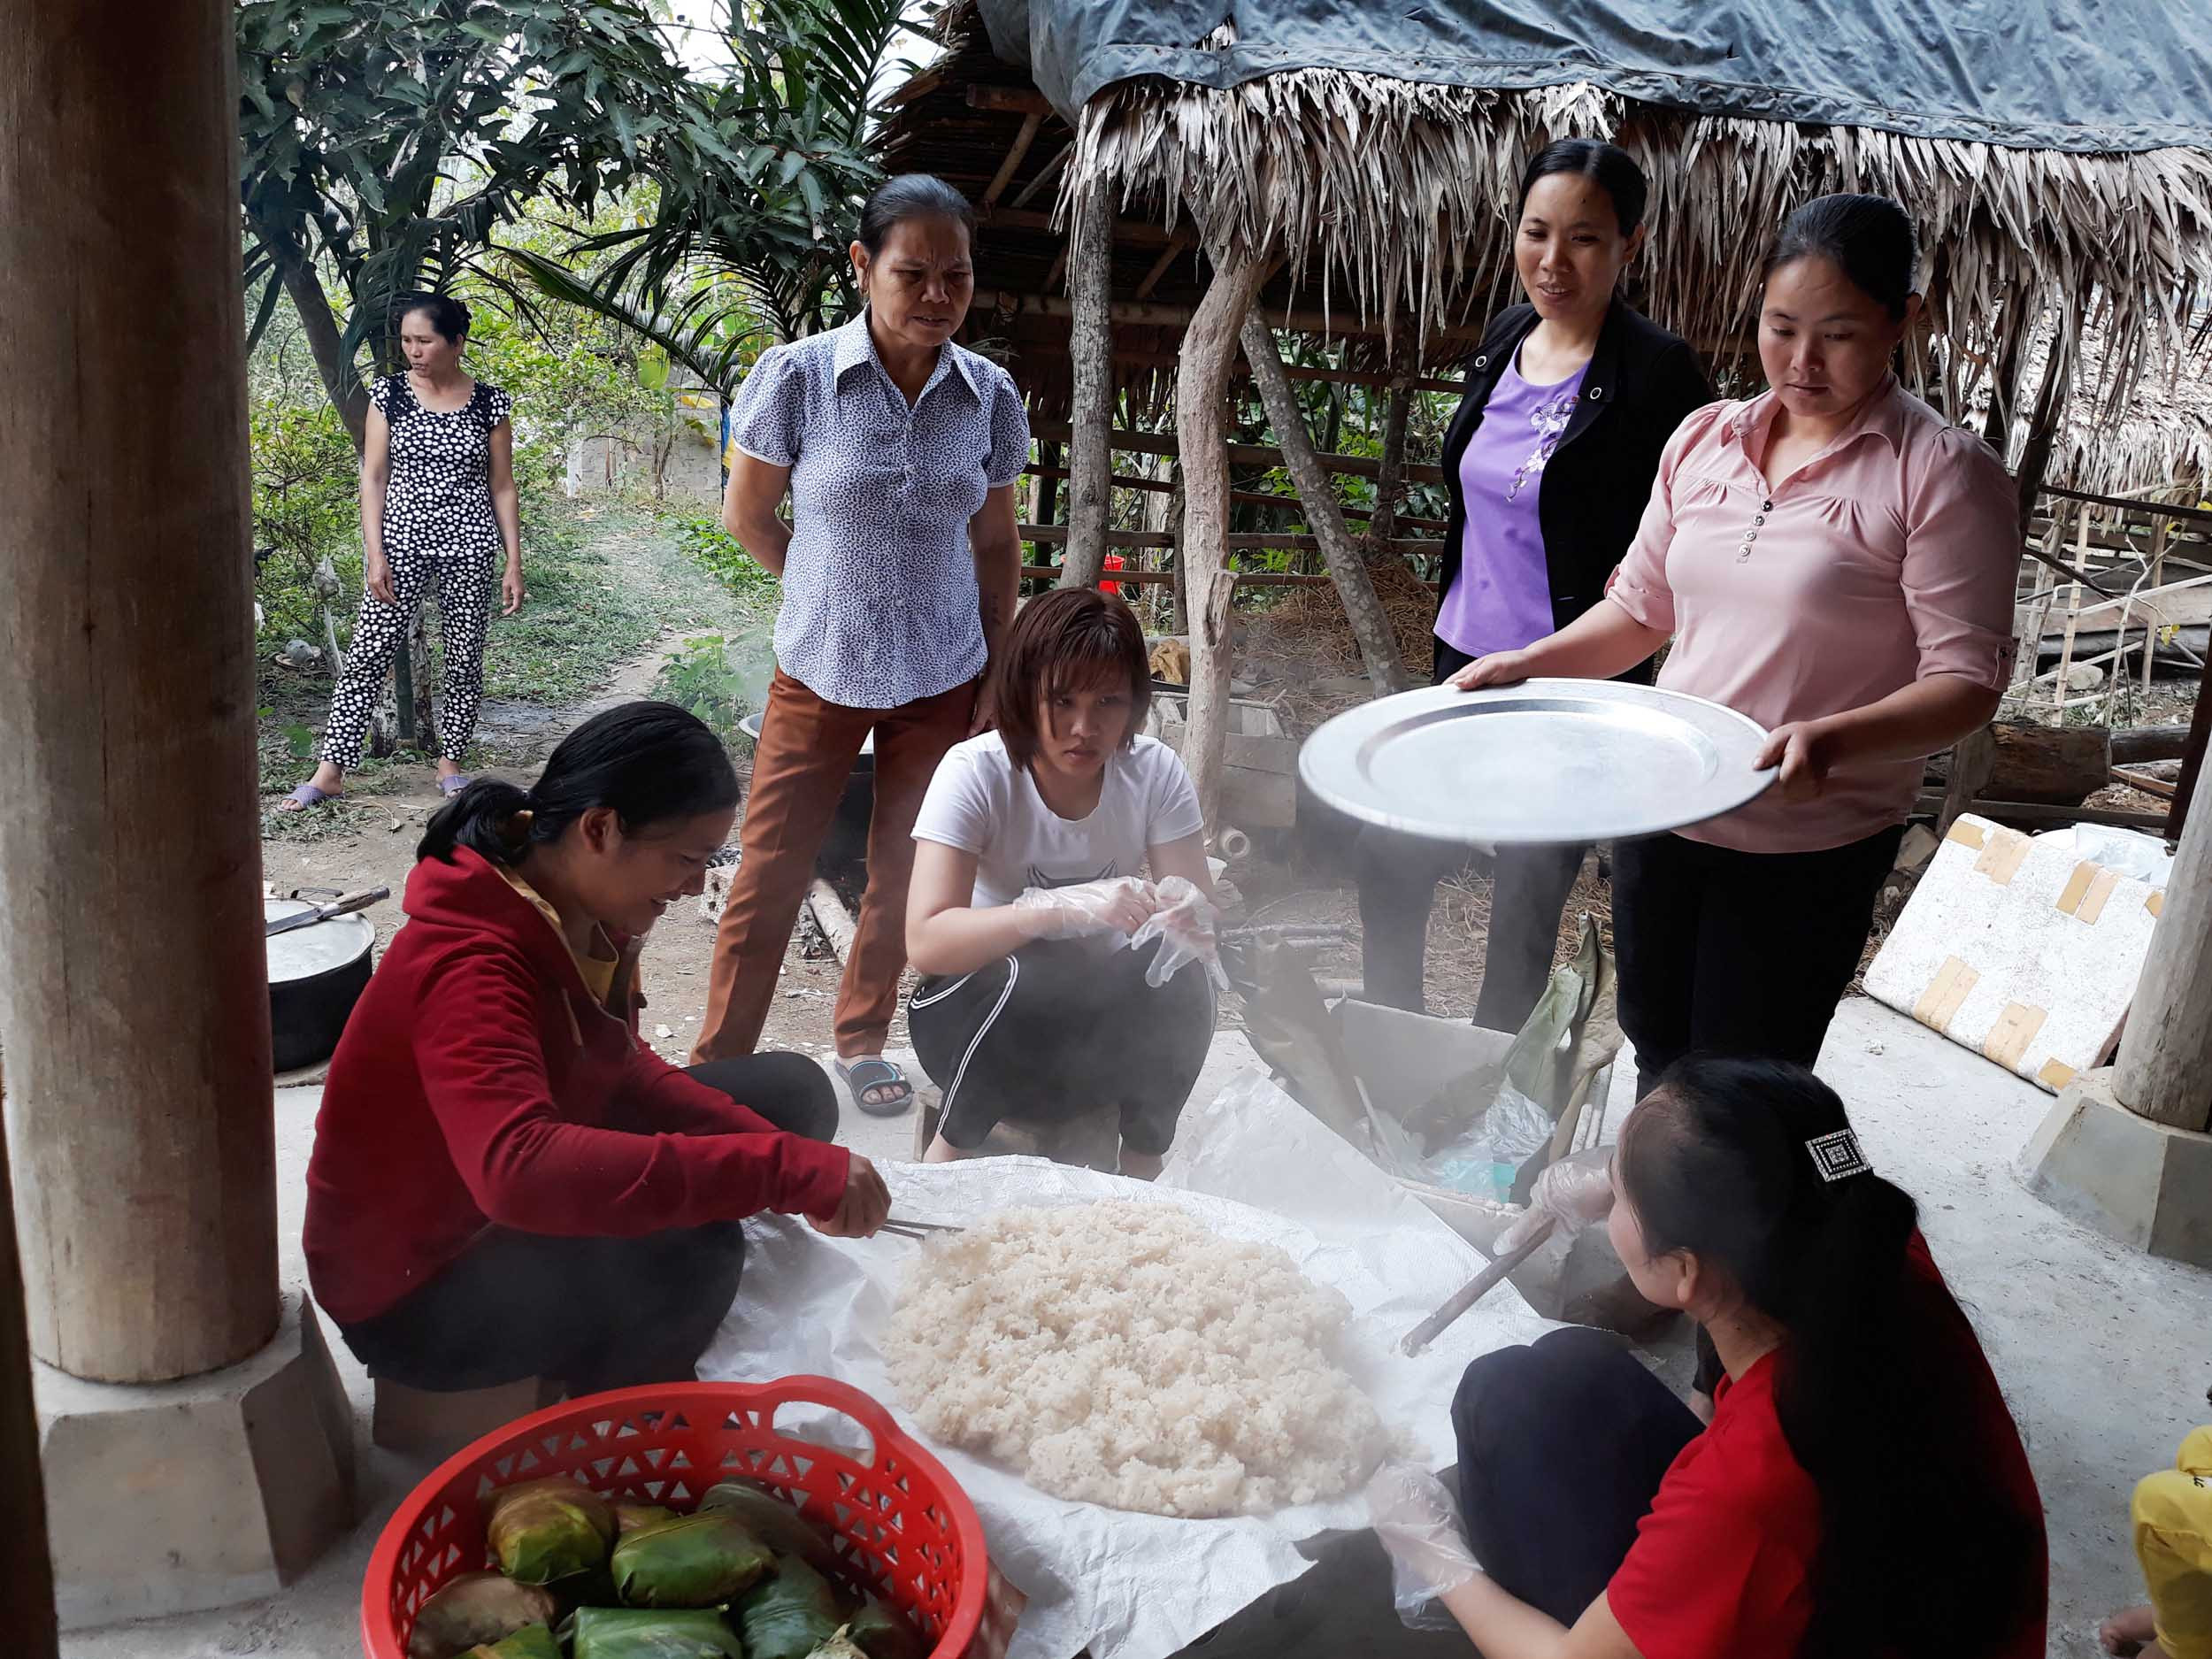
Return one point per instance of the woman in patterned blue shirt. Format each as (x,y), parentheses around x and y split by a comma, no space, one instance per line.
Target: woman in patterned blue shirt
(898,450)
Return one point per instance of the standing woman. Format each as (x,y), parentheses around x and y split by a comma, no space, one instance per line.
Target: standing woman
(899,450)
(437,504)
(1568,403)
(1833,560)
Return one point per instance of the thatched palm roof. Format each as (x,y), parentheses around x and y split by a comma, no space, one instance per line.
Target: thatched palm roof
(1396,195)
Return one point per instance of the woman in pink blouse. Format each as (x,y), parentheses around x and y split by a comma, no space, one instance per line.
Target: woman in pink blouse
(1833,560)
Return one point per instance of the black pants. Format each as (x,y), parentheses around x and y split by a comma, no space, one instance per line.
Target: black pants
(1397,876)
(1562,1447)
(1061,1028)
(591,1313)
(1727,952)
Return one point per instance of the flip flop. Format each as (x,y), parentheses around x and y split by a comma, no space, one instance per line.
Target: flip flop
(872,1072)
(453,783)
(306,795)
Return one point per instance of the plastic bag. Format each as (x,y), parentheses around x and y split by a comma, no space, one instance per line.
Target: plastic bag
(1413,1514)
(1485,1161)
(1184,924)
(1116,905)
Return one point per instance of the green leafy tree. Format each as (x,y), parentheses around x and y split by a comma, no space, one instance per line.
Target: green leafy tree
(383,143)
(738,259)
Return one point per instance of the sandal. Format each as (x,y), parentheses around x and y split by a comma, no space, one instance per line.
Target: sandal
(306,796)
(452,783)
(873,1071)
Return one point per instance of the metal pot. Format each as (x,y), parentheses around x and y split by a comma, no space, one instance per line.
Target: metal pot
(844,847)
(316,975)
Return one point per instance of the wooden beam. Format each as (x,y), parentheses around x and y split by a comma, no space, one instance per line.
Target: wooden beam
(1371,631)
(1011,100)
(1240,454)
(1045,175)
(1242,497)
(1175,249)
(1201,386)
(1091,358)
(1156,578)
(1160,314)
(1015,152)
(2152,509)
(1302,372)
(1133,231)
(1235,542)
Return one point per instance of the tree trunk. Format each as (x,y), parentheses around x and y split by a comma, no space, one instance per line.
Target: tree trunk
(324,336)
(1202,384)
(134,1008)
(1354,586)
(1382,524)
(2058,766)
(2165,1069)
(27,1569)
(1179,590)
(1091,351)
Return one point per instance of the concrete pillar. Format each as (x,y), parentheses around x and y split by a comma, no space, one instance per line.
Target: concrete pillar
(2165,1065)
(134,1007)
(134,1011)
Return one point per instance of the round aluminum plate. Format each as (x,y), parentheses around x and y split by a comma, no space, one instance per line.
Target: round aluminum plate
(306,952)
(1545,761)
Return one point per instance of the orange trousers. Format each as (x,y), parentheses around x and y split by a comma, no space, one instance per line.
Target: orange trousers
(806,752)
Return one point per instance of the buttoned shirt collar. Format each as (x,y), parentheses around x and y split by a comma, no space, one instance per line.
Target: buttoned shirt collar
(1883,414)
(855,346)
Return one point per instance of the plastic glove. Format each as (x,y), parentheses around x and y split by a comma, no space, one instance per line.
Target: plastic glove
(1121,905)
(1412,1512)
(1572,1195)
(1184,924)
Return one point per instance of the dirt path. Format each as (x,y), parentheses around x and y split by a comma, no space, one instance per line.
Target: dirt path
(370,840)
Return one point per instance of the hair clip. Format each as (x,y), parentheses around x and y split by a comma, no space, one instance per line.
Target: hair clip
(1837,1154)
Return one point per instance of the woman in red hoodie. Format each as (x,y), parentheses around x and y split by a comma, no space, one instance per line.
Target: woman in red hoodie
(506,1182)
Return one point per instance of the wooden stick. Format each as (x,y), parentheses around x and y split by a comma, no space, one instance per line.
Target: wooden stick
(1476,1289)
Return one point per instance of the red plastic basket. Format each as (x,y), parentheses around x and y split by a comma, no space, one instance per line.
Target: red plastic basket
(905,1529)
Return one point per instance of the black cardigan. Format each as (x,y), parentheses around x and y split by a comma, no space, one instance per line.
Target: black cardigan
(1641,383)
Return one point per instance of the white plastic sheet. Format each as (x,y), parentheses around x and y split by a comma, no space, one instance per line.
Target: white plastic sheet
(1252,1165)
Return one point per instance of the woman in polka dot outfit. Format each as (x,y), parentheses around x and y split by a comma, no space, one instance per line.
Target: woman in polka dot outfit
(437,503)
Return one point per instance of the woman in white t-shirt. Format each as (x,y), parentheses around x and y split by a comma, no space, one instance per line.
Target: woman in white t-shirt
(1027,889)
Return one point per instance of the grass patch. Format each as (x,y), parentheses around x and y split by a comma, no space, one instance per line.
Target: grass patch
(581,620)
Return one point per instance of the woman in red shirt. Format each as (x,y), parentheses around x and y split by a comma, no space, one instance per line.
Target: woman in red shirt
(506,1182)
(1860,1489)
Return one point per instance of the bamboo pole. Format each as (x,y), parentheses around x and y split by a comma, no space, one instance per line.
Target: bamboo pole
(1091,353)
(1354,586)
(1202,386)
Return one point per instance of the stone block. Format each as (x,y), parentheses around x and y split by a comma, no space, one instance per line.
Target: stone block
(2141,1183)
(173,1497)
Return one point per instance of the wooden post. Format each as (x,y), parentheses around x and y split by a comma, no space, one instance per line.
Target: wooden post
(1354,586)
(27,1570)
(1178,566)
(1201,385)
(134,1008)
(1091,352)
(1047,482)
(1396,412)
(2165,1067)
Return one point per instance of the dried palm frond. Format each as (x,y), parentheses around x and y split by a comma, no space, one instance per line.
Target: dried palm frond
(1392,199)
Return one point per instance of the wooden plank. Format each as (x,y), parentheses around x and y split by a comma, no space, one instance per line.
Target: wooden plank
(1011,100)
(1045,175)
(1167,578)
(2036,812)
(1160,314)
(1305,371)
(1252,497)
(2193,515)
(1015,154)
(1241,541)
(1240,454)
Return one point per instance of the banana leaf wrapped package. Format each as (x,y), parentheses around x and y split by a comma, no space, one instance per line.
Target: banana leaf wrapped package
(475,1609)
(775,1523)
(786,1616)
(701,1560)
(534,1641)
(881,1632)
(636,1518)
(839,1646)
(621,1632)
(543,1530)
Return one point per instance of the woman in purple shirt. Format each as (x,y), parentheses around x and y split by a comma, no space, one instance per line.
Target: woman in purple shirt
(1569,401)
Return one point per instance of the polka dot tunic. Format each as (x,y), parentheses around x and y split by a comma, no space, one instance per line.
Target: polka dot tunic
(879,600)
(439,500)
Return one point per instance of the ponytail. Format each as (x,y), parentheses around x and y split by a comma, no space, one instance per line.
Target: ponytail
(649,762)
(1752,1164)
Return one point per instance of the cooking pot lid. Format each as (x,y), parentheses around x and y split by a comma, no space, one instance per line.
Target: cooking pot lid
(306,952)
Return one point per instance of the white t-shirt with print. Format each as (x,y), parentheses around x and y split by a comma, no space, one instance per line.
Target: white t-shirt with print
(980,802)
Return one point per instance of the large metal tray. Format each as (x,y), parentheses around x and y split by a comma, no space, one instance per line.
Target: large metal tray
(1545,761)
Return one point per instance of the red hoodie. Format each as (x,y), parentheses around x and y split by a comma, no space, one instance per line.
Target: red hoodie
(480,1084)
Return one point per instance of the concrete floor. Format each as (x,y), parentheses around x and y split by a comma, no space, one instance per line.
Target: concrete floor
(2099,1350)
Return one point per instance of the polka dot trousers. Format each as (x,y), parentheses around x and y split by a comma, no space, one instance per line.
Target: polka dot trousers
(464,594)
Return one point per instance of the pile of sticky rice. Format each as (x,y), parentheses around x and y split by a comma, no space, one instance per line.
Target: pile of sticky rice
(1120,1354)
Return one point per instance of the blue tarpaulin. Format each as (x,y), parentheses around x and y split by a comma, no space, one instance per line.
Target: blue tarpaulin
(2076,75)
